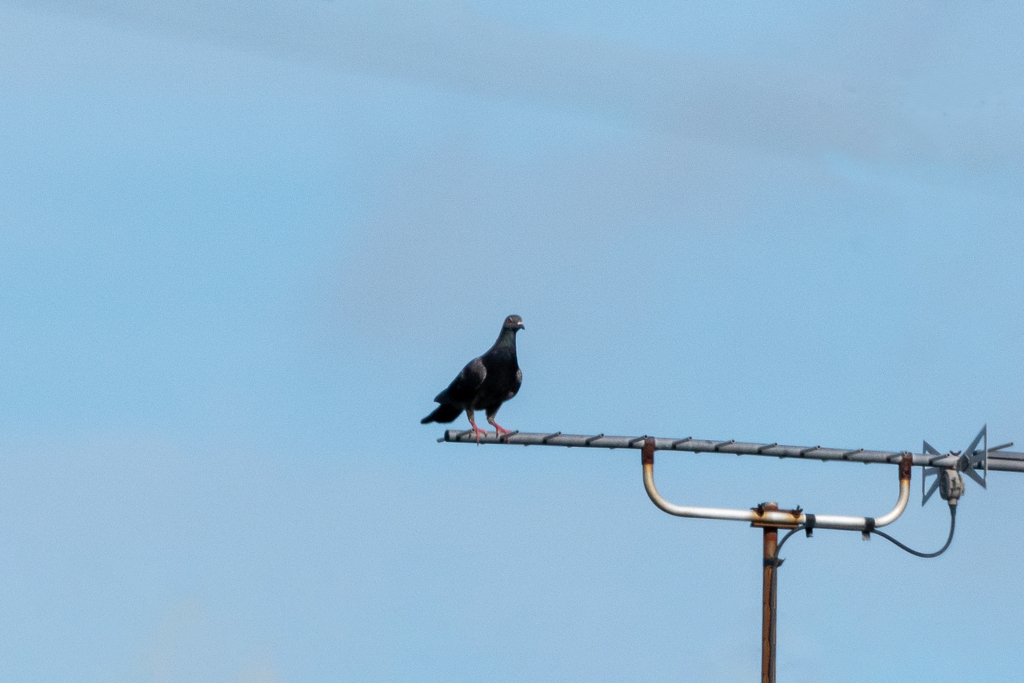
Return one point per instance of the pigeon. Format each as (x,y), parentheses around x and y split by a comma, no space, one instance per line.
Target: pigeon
(485,383)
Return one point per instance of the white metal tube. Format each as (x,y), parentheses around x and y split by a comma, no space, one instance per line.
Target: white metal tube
(688,511)
(860,523)
(782,518)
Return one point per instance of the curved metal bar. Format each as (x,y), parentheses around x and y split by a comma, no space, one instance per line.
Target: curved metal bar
(781,518)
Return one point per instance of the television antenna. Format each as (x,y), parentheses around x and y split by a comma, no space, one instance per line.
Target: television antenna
(975,461)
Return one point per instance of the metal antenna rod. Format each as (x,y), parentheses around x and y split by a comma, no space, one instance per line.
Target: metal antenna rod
(998,459)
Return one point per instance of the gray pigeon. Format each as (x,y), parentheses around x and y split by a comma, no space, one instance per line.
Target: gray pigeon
(485,383)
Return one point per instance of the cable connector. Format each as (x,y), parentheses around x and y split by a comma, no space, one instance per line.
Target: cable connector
(951,486)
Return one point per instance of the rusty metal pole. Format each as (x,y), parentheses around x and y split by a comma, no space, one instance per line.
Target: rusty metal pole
(771,540)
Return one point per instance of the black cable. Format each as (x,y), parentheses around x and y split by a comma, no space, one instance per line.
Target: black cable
(784,539)
(773,598)
(952,528)
(775,563)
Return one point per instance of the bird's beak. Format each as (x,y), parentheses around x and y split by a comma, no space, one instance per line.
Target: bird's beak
(522,326)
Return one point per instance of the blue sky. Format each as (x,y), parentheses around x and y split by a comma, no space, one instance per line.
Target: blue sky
(243,245)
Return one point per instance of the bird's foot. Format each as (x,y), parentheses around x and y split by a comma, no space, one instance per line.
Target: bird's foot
(499,431)
(477,432)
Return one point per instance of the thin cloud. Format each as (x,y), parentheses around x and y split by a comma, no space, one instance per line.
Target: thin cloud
(892,91)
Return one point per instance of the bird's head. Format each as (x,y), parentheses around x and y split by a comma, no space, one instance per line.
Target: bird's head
(514,323)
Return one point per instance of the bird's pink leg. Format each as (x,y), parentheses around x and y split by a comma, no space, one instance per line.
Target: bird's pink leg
(476,430)
(497,427)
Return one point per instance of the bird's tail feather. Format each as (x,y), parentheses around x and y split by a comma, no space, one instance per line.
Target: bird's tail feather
(445,412)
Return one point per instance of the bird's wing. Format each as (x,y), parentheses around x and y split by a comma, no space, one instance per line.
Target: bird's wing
(464,387)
